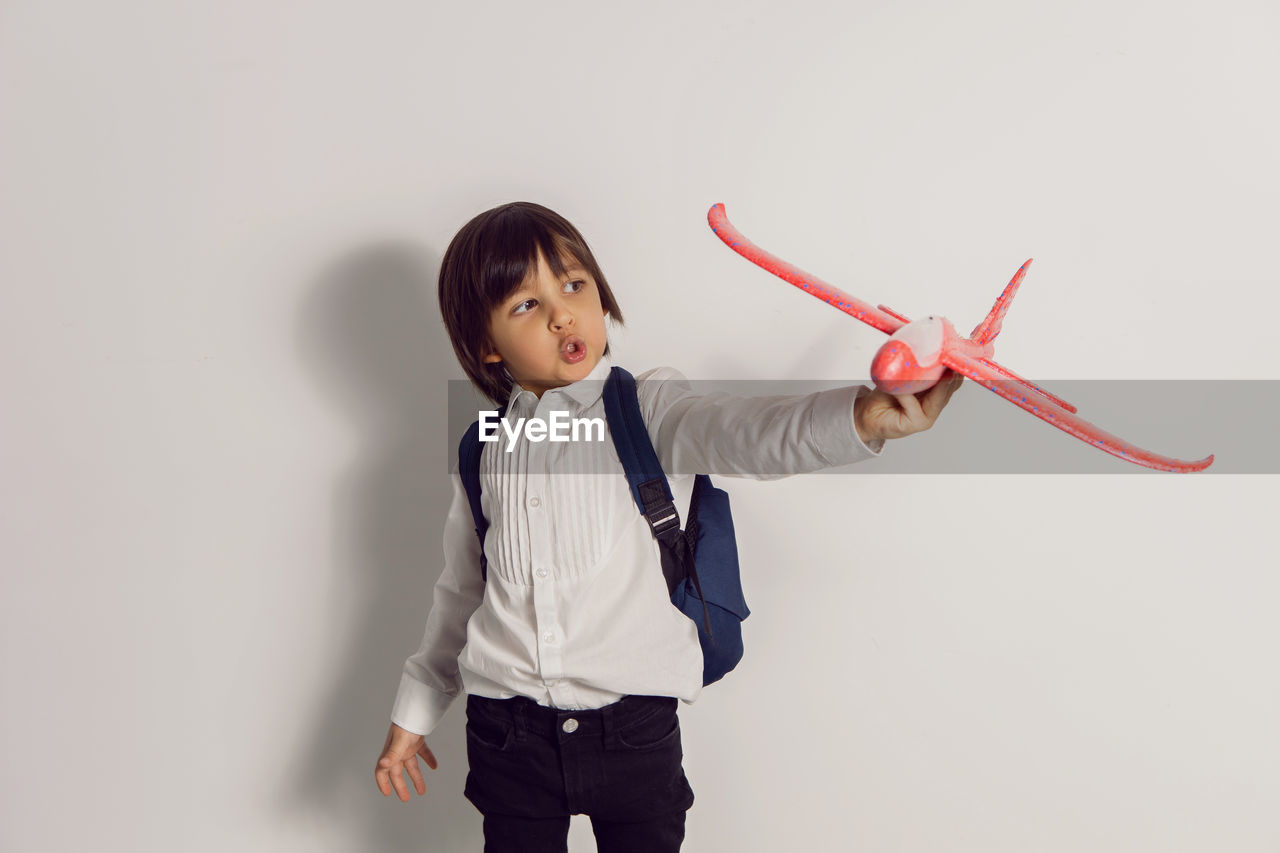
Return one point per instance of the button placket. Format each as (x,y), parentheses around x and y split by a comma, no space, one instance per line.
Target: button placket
(546,611)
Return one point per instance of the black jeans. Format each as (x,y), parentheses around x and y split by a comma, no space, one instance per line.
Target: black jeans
(532,767)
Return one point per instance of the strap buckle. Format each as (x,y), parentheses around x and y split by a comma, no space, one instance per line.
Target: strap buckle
(666,523)
(659,508)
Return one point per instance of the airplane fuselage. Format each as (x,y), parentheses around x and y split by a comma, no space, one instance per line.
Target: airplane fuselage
(911,360)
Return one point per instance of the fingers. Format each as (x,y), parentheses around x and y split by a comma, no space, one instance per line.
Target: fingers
(912,410)
(428,756)
(934,400)
(400,755)
(382,770)
(389,774)
(415,772)
(921,411)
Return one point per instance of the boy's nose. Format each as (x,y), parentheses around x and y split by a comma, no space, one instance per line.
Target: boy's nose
(561,317)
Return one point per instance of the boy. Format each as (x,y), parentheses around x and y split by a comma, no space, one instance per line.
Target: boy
(570,652)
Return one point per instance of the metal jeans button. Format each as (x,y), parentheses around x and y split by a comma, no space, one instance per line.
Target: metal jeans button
(570,725)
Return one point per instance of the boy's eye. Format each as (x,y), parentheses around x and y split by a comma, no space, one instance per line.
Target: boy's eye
(529,304)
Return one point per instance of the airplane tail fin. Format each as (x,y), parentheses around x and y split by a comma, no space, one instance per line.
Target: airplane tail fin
(986,331)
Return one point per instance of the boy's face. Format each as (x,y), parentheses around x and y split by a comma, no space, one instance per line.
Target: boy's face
(550,331)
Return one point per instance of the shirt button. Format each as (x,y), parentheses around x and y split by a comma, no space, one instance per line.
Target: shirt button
(535,502)
(542,573)
(548,636)
(570,725)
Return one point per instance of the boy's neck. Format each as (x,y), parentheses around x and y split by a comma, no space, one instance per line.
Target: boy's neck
(591,374)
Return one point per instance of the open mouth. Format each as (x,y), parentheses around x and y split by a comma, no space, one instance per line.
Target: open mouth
(573,349)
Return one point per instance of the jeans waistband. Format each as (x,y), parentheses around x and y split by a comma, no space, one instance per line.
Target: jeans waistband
(552,723)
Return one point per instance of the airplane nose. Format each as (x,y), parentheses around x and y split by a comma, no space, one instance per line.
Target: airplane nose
(896,370)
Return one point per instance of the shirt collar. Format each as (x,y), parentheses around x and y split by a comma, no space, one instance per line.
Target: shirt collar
(584,392)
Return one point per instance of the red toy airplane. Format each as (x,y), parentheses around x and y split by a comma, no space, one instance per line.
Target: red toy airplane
(918,352)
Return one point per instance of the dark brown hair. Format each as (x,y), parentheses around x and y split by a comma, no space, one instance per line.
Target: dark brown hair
(486,261)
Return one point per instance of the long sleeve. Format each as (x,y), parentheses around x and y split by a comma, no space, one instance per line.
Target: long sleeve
(430,681)
(762,438)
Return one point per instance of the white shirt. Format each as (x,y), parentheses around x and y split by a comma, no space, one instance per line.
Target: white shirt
(575,613)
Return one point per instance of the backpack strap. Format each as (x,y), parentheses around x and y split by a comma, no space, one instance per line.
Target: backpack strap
(648,483)
(469,450)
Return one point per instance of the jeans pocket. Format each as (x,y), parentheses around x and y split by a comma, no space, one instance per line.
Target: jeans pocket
(657,730)
(489,729)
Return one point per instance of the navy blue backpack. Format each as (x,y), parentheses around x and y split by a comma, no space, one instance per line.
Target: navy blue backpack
(700,563)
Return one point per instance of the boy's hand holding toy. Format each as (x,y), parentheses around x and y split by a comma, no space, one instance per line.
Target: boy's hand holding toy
(880,415)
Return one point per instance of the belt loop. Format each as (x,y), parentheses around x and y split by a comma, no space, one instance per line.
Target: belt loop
(518,718)
(606,714)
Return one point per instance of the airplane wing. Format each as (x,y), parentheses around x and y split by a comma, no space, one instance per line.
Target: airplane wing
(1050,411)
(833,296)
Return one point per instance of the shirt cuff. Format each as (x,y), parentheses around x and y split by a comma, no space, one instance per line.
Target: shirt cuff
(418,707)
(833,429)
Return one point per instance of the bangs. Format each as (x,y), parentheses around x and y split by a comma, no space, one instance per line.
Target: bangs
(511,256)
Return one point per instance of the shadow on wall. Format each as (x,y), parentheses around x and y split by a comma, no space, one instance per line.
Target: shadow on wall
(371,333)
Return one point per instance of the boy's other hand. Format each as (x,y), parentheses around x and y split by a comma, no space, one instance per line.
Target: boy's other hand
(399,754)
(879,415)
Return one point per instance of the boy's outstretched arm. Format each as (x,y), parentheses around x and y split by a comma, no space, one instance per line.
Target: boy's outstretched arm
(879,415)
(400,753)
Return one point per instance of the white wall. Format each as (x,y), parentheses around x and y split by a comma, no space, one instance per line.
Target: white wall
(224,451)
